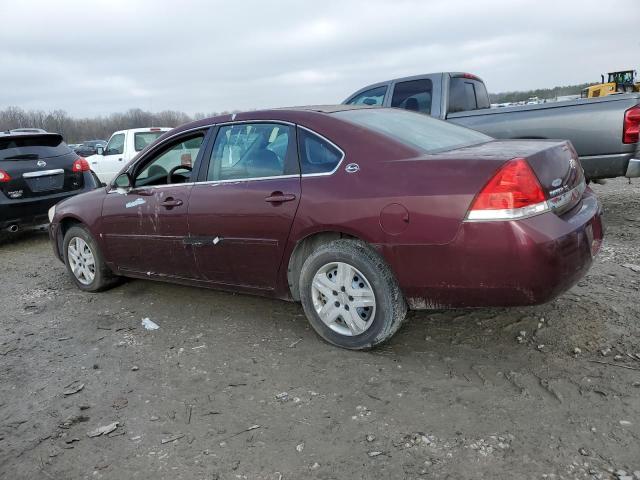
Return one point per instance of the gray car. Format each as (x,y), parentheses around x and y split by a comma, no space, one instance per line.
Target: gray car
(604,131)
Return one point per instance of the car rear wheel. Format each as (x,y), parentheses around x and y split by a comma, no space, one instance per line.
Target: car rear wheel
(350,295)
(84,261)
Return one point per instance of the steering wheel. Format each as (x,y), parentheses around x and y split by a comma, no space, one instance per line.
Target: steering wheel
(174,169)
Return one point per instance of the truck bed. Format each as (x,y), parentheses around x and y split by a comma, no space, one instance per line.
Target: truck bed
(593,125)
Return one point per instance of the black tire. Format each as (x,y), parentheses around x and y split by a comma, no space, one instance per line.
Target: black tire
(390,309)
(103,276)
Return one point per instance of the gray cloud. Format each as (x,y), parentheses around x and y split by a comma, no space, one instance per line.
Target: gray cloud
(200,56)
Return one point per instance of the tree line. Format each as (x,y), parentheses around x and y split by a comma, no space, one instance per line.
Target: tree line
(76,130)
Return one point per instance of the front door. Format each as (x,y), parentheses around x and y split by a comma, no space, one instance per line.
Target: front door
(241,213)
(145,229)
(108,165)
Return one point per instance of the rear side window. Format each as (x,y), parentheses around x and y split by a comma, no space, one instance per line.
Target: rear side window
(30,147)
(467,94)
(144,139)
(250,150)
(375,96)
(316,154)
(414,95)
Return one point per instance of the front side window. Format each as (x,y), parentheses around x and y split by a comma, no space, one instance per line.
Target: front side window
(316,154)
(115,145)
(375,96)
(414,95)
(250,150)
(177,160)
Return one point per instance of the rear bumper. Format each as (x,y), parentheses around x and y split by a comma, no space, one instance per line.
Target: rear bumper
(523,262)
(28,212)
(633,169)
(612,166)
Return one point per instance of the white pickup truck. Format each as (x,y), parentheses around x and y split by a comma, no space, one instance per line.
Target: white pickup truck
(122,147)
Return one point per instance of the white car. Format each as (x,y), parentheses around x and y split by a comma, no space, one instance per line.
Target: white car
(122,147)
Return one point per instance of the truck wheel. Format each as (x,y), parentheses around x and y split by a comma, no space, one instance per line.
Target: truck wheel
(84,261)
(350,295)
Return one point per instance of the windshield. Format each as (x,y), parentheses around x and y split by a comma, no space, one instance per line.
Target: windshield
(414,129)
(142,139)
(32,146)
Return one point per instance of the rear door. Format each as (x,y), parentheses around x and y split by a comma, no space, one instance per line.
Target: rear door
(37,166)
(413,95)
(146,228)
(241,213)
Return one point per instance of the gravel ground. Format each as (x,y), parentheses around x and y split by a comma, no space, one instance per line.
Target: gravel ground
(233,386)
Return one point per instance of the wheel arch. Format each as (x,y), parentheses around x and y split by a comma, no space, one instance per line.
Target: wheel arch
(303,249)
(65,224)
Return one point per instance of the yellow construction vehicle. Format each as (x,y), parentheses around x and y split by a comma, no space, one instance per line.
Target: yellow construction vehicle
(618,82)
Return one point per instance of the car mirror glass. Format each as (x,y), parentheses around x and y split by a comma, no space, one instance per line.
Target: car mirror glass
(123,182)
(99,150)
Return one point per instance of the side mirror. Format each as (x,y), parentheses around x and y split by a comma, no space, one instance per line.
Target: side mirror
(99,150)
(123,181)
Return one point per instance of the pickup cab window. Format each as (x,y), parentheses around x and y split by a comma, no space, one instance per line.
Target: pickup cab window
(375,96)
(414,95)
(467,94)
(143,139)
(115,145)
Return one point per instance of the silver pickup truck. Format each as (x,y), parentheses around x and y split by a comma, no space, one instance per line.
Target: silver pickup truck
(604,131)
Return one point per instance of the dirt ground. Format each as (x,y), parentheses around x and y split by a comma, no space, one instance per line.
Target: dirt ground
(232,386)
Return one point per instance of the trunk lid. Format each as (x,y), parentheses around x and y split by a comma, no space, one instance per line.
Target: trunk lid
(559,171)
(38,165)
(554,162)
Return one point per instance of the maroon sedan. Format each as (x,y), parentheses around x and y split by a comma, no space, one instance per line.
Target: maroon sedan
(359,213)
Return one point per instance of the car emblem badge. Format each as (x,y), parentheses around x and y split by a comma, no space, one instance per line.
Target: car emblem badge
(352,168)
(41,163)
(557,182)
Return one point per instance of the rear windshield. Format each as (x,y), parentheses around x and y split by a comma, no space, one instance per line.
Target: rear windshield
(30,147)
(414,129)
(142,139)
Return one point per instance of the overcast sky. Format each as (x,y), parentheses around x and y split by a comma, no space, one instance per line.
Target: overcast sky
(100,56)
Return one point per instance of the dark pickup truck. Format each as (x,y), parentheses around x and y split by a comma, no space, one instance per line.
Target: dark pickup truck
(604,131)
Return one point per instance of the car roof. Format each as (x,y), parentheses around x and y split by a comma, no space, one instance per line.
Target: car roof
(327,108)
(36,132)
(22,131)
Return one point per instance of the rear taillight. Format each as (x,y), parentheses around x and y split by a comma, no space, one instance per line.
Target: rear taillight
(513,192)
(631,128)
(81,165)
(4,176)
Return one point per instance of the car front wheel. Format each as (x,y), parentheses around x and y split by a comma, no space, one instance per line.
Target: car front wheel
(84,261)
(350,295)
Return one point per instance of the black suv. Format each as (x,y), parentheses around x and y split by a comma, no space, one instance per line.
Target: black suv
(37,170)
(88,148)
